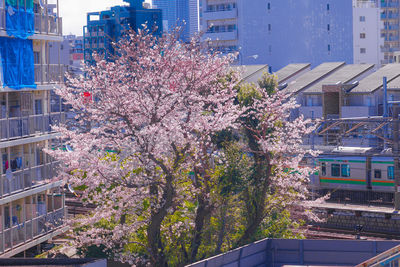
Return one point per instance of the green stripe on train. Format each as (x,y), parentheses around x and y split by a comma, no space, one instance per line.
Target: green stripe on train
(383,162)
(356,161)
(342,182)
(382,184)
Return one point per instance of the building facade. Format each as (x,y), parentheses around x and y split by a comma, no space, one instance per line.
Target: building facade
(105,27)
(368,41)
(182,13)
(391,32)
(31,205)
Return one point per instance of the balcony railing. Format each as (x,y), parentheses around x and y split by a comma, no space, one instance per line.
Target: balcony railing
(49,73)
(48,24)
(44,24)
(27,178)
(19,127)
(31,229)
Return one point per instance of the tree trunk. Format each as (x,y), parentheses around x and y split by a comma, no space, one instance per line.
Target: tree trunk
(201,213)
(154,240)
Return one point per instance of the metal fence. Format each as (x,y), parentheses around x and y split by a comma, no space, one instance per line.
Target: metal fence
(280,252)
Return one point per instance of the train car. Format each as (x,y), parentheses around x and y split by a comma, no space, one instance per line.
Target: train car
(342,173)
(350,173)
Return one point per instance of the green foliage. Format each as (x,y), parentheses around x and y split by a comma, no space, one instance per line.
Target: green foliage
(268,82)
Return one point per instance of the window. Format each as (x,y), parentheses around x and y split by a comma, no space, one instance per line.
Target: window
(323,168)
(377,174)
(362,35)
(269,27)
(390,170)
(329,27)
(345,169)
(363,50)
(269,6)
(335,170)
(362,18)
(327,7)
(329,47)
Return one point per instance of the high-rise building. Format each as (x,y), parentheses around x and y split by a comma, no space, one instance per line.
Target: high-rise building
(277,32)
(105,27)
(31,206)
(368,42)
(391,31)
(182,13)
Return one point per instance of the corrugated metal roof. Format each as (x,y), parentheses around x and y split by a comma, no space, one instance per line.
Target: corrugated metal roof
(343,75)
(312,76)
(374,81)
(251,73)
(290,70)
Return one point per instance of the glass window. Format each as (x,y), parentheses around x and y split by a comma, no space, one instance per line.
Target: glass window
(327,7)
(362,18)
(362,35)
(335,170)
(363,50)
(345,170)
(323,168)
(390,170)
(377,174)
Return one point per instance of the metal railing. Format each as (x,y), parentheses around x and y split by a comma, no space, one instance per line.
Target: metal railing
(26,231)
(388,258)
(43,24)
(49,73)
(19,127)
(27,178)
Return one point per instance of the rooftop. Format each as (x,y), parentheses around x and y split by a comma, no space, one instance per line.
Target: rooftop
(373,82)
(290,70)
(343,75)
(313,76)
(251,73)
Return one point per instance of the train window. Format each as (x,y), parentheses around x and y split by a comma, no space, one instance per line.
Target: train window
(390,170)
(377,174)
(345,170)
(323,168)
(335,170)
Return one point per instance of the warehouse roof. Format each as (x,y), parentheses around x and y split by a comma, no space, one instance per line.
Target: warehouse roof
(290,70)
(343,75)
(251,73)
(313,76)
(373,82)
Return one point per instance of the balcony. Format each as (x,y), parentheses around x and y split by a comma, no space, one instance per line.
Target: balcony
(48,24)
(357,111)
(20,127)
(392,4)
(220,14)
(390,16)
(44,24)
(309,112)
(222,36)
(31,229)
(49,73)
(27,178)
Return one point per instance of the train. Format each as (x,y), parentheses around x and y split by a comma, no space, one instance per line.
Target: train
(353,174)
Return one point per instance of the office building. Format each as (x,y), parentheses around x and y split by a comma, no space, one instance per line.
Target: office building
(105,27)
(31,205)
(183,13)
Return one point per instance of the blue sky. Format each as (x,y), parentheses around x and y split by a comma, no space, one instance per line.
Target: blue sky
(73,12)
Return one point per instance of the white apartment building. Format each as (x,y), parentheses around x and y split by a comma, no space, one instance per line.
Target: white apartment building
(367,39)
(31,206)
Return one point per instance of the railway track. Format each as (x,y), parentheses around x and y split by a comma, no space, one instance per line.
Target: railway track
(320,232)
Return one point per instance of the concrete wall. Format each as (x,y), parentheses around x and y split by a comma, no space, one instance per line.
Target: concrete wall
(279,252)
(283,32)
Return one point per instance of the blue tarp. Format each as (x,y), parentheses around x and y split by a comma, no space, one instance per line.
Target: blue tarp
(17,63)
(20,20)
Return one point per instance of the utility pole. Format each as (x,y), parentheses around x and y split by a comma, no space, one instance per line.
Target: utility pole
(395,151)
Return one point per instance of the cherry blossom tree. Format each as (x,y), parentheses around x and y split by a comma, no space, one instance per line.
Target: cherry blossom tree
(145,152)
